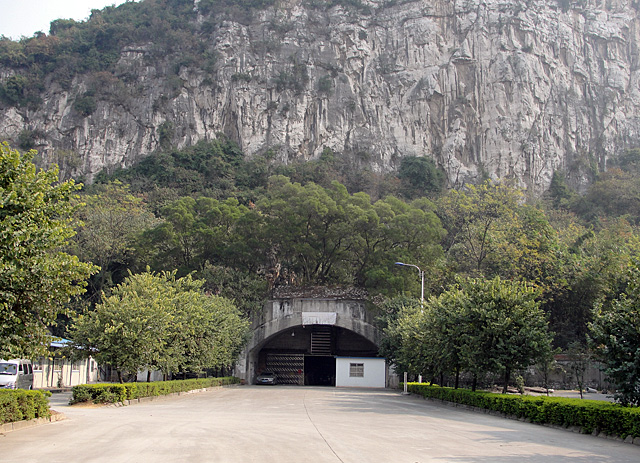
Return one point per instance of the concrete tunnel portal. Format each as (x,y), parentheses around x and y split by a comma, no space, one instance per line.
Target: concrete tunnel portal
(305,355)
(299,339)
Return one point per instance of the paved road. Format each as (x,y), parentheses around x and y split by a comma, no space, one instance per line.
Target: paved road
(299,424)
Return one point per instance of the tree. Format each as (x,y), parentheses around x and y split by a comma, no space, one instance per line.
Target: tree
(402,326)
(474,220)
(420,177)
(478,326)
(615,338)
(159,322)
(37,279)
(547,365)
(591,269)
(559,192)
(579,361)
(194,232)
(506,329)
(111,221)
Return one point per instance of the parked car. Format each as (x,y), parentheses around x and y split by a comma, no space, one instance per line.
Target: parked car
(266,378)
(16,374)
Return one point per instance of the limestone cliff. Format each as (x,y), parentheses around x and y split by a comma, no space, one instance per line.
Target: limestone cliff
(504,88)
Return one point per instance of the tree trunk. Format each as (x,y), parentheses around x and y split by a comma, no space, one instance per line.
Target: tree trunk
(149,375)
(120,377)
(507,376)
(457,382)
(474,383)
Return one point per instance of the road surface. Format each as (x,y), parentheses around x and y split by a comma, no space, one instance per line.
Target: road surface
(299,424)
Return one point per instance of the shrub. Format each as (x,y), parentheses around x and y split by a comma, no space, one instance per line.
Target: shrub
(99,393)
(17,405)
(113,393)
(601,417)
(85,104)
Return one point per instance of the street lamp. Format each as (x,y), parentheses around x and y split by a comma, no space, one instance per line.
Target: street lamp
(421,272)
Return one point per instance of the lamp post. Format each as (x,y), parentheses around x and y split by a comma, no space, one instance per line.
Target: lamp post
(421,273)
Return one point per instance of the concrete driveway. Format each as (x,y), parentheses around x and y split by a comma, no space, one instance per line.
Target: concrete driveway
(299,424)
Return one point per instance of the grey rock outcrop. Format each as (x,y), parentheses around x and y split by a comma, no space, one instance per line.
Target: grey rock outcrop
(499,88)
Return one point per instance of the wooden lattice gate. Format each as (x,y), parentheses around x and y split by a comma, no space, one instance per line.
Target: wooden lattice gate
(288,368)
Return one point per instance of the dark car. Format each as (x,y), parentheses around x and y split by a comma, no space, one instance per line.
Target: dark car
(266,378)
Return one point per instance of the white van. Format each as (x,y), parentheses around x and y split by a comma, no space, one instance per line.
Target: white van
(16,374)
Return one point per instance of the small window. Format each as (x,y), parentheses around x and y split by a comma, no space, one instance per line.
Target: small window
(75,366)
(356,370)
(38,365)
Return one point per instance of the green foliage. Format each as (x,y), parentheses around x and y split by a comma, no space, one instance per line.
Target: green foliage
(420,177)
(615,193)
(559,192)
(203,167)
(248,290)
(479,326)
(110,223)
(615,336)
(113,393)
(473,218)
(12,91)
(99,393)
(18,405)
(26,139)
(591,269)
(37,279)
(159,322)
(326,235)
(85,104)
(591,416)
(579,360)
(194,232)
(95,45)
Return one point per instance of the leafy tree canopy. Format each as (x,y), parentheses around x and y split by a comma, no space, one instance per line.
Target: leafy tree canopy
(615,337)
(478,326)
(37,278)
(159,322)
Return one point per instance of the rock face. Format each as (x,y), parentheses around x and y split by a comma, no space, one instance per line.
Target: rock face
(500,88)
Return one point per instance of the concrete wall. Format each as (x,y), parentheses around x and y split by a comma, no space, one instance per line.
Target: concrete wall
(280,315)
(59,372)
(375,370)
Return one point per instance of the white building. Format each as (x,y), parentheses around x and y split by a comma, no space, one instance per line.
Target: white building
(361,372)
(58,371)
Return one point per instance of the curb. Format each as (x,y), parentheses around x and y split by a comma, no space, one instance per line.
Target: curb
(576,429)
(152,398)
(17,425)
(57,416)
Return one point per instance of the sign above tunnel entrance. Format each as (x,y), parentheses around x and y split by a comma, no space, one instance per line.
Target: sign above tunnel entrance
(319,318)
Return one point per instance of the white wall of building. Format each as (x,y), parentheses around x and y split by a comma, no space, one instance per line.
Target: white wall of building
(59,372)
(360,372)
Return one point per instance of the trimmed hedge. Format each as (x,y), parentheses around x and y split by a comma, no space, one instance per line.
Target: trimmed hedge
(114,392)
(19,404)
(589,415)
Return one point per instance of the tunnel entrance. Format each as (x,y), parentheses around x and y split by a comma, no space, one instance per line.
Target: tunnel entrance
(306,355)
(319,371)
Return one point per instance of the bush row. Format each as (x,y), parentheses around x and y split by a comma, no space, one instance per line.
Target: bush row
(113,392)
(589,415)
(18,405)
